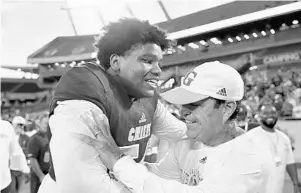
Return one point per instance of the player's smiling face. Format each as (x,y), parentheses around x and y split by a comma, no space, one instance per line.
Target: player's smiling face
(140,70)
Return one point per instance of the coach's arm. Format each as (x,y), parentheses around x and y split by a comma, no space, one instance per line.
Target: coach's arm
(77,166)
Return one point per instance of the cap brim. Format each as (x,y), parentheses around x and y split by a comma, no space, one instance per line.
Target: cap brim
(182,96)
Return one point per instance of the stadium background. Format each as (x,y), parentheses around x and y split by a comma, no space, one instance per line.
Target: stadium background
(262,38)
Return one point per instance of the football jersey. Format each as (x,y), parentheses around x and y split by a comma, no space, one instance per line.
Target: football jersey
(130,120)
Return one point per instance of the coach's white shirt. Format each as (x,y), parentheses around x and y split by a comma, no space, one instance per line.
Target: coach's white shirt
(241,165)
(11,154)
(184,162)
(280,146)
(77,166)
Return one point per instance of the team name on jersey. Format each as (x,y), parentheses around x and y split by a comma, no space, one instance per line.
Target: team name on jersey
(139,132)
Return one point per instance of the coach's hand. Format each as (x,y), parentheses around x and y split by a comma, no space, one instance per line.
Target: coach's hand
(104,143)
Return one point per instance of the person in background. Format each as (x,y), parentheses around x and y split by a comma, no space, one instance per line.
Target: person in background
(38,153)
(31,128)
(11,157)
(20,125)
(19,178)
(278,102)
(243,119)
(280,146)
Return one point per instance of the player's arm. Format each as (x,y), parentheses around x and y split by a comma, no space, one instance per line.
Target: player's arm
(167,126)
(126,170)
(149,182)
(168,167)
(221,180)
(77,166)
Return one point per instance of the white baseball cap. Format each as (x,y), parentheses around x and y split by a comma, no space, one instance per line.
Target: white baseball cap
(18,120)
(211,79)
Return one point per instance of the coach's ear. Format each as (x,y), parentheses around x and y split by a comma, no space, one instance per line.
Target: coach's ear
(115,62)
(228,109)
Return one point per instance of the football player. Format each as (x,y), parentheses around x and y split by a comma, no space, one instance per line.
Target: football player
(122,89)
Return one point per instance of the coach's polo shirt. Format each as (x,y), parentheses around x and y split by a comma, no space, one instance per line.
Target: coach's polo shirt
(241,165)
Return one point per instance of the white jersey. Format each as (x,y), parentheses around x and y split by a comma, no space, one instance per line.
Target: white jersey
(241,165)
(280,146)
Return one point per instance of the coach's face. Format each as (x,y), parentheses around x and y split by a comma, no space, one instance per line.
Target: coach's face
(139,69)
(204,120)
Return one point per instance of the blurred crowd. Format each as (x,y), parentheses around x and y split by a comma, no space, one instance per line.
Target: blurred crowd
(282,88)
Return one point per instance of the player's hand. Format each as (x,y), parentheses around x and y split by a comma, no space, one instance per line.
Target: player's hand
(98,124)
(105,145)
(107,153)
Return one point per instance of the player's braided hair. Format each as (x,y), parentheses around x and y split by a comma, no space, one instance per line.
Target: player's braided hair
(120,37)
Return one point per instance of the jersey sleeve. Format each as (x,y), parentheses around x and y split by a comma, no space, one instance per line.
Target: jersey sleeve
(167,126)
(168,166)
(77,165)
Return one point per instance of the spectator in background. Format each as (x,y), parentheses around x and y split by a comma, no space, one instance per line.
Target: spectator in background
(31,128)
(38,150)
(287,109)
(19,124)
(244,119)
(278,102)
(280,88)
(280,146)
(12,157)
(18,177)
